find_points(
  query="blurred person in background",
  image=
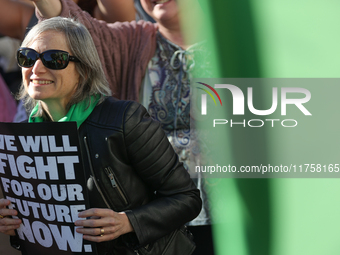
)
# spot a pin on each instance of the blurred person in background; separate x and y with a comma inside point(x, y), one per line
point(7, 103)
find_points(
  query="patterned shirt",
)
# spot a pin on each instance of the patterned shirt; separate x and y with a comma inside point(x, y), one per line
point(165, 92)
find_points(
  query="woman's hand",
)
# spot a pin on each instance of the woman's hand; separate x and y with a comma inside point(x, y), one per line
point(103, 224)
point(8, 224)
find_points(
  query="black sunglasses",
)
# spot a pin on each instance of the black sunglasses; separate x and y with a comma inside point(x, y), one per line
point(52, 59)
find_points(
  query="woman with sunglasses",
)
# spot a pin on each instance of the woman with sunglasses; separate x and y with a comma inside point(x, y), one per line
point(63, 81)
point(153, 64)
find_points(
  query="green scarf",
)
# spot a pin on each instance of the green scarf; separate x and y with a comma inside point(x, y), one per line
point(78, 112)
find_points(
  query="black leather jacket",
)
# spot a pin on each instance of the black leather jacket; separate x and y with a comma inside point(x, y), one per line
point(132, 167)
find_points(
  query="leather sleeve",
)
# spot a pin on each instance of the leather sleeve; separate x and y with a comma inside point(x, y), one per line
point(151, 155)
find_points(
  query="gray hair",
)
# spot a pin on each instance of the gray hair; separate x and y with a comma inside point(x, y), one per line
point(92, 79)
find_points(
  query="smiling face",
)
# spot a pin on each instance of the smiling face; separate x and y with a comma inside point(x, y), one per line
point(161, 10)
point(53, 87)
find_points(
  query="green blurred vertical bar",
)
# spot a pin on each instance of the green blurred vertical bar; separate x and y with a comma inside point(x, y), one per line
point(240, 207)
point(300, 39)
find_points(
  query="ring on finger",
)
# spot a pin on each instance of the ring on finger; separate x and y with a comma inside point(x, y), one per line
point(1, 217)
point(102, 232)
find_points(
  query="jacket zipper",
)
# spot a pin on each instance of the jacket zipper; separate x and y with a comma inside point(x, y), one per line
point(114, 184)
point(110, 175)
point(92, 172)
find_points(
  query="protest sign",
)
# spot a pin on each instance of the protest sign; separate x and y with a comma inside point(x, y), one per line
point(41, 174)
